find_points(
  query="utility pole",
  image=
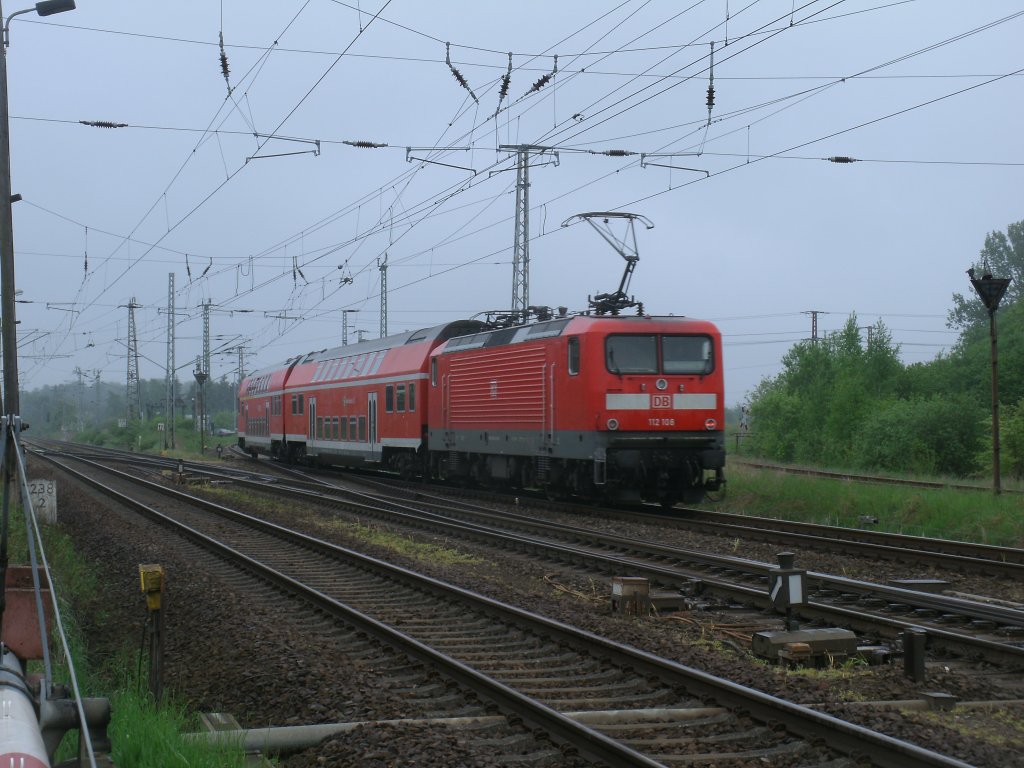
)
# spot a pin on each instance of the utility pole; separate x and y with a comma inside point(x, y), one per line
point(79, 398)
point(241, 374)
point(201, 377)
point(96, 384)
point(383, 267)
point(133, 395)
point(990, 290)
point(169, 382)
point(521, 239)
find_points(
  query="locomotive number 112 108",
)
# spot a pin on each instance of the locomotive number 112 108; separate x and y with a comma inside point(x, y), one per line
point(661, 422)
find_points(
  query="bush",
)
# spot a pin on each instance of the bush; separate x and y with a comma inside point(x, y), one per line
point(921, 435)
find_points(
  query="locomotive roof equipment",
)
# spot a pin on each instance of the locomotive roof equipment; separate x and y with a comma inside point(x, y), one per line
point(614, 303)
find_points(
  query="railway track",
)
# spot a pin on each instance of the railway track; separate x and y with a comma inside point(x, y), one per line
point(632, 708)
point(861, 478)
point(955, 626)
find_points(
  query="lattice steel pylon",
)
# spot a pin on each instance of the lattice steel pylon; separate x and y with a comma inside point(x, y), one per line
point(383, 267)
point(344, 326)
point(133, 386)
point(206, 335)
point(169, 382)
point(521, 240)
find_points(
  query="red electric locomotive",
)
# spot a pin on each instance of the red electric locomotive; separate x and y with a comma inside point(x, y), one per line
point(621, 407)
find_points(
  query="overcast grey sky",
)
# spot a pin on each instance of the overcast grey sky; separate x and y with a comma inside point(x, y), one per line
point(927, 94)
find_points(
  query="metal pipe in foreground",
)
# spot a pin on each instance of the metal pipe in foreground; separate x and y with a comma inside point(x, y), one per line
point(296, 737)
point(21, 741)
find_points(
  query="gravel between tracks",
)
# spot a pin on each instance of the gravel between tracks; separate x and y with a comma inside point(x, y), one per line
point(225, 651)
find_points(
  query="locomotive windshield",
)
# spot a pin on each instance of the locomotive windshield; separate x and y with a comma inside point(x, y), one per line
point(632, 354)
point(691, 355)
point(686, 354)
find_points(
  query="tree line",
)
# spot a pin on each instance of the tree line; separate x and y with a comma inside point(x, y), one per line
point(92, 411)
point(847, 400)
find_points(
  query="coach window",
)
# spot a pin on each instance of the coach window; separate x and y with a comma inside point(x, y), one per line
point(631, 354)
point(687, 354)
point(302, 399)
point(351, 427)
point(362, 429)
point(401, 398)
point(412, 396)
point(295, 404)
point(574, 355)
point(319, 427)
point(389, 398)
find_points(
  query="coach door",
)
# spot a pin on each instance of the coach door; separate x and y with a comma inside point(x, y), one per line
point(371, 420)
point(311, 405)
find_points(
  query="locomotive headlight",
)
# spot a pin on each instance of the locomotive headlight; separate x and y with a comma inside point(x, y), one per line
point(710, 424)
point(613, 424)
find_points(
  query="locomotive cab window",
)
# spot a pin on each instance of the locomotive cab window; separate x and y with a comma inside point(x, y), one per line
point(433, 372)
point(574, 355)
point(631, 354)
point(687, 355)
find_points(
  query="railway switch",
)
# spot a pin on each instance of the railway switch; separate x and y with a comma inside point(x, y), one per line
point(786, 587)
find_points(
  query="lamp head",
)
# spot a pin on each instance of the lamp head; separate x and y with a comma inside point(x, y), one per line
point(50, 7)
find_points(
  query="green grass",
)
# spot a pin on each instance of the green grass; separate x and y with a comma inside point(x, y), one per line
point(405, 545)
point(146, 736)
point(979, 516)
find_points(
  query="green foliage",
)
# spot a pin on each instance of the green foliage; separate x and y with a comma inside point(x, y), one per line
point(1002, 256)
point(843, 402)
point(1011, 430)
point(814, 409)
point(920, 435)
point(146, 735)
point(975, 515)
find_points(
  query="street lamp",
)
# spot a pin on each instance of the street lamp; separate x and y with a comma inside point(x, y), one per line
point(990, 290)
point(201, 377)
point(8, 334)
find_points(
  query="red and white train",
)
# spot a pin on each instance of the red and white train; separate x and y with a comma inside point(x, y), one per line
point(610, 406)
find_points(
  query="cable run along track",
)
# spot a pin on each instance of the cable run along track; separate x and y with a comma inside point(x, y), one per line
point(494, 649)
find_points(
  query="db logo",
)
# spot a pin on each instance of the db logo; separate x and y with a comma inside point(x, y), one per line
point(661, 401)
